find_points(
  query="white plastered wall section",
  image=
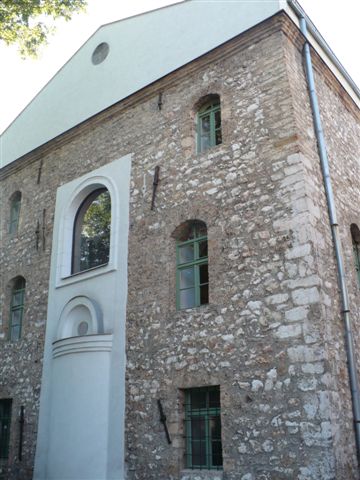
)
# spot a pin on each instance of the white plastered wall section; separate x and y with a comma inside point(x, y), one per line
point(143, 49)
point(82, 404)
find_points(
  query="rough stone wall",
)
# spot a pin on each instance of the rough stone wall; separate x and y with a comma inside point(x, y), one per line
point(341, 125)
point(21, 362)
point(262, 337)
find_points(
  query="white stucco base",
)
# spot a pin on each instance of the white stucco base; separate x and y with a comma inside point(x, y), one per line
point(79, 410)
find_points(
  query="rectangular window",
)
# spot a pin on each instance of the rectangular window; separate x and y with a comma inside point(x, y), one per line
point(17, 310)
point(209, 125)
point(5, 417)
point(14, 212)
point(203, 428)
point(192, 269)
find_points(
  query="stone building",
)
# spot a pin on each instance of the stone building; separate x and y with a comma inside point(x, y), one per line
point(170, 295)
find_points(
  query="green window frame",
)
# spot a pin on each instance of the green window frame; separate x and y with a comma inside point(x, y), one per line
point(209, 125)
point(5, 420)
point(15, 205)
point(17, 309)
point(192, 276)
point(203, 429)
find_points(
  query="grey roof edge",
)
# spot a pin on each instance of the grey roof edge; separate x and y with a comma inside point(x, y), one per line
point(299, 11)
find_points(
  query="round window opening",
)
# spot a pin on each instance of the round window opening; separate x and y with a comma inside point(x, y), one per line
point(100, 53)
point(83, 328)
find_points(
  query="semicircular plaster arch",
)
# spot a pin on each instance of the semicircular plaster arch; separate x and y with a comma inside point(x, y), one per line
point(78, 311)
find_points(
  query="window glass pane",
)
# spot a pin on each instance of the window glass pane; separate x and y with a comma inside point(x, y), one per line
point(13, 222)
point(12, 227)
point(204, 276)
point(204, 133)
point(216, 451)
point(14, 213)
point(214, 398)
point(198, 399)
point(187, 298)
point(204, 294)
point(218, 137)
point(4, 439)
point(94, 240)
point(5, 412)
point(217, 120)
point(186, 253)
point(19, 284)
point(15, 333)
point(215, 427)
point(199, 453)
point(18, 298)
point(187, 277)
point(198, 428)
point(5, 409)
point(15, 209)
point(203, 249)
point(200, 230)
point(205, 124)
point(16, 316)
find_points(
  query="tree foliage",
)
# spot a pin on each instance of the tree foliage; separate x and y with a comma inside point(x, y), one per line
point(95, 233)
point(25, 22)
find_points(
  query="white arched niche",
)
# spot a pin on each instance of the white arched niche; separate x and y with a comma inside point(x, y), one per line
point(81, 316)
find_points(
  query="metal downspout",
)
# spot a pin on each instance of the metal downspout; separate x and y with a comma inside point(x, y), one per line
point(354, 386)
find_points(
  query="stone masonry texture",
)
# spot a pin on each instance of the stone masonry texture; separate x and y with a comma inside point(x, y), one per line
point(272, 334)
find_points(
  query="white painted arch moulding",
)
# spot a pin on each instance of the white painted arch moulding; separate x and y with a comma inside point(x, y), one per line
point(80, 309)
point(85, 344)
point(70, 209)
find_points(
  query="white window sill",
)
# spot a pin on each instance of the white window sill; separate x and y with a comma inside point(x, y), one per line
point(85, 274)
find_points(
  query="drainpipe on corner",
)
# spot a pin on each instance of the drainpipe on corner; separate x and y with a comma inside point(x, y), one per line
point(354, 384)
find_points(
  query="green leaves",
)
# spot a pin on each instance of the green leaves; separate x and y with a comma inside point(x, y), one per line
point(25, 22)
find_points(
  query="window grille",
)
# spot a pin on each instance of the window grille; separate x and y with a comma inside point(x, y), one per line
point(203, 429)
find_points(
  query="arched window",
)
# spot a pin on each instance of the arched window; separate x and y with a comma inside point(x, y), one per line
point(209, 124)
point(192, 277)
point(355, 235)
point(91, 234)
point(17, 308)
point(15, 204)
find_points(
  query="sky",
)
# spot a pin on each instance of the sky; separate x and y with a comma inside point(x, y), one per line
point(336, 20)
